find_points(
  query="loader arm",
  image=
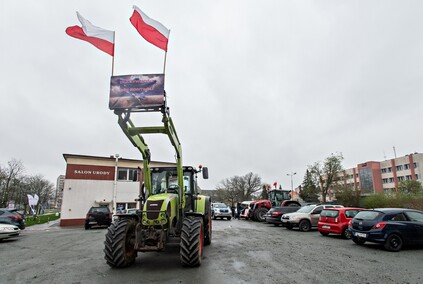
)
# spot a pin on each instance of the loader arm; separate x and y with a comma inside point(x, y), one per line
point(134, 134)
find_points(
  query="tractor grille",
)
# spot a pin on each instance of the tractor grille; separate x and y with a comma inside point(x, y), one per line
point(153, 208)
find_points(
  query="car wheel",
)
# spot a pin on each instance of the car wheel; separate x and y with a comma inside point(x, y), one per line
point(358, 241)
point(324, 233)
point(393, 243)
point(304, 226)
point(289, 226)
point(229, 218)
point(87, 227)
point(346, 233)
point(276, 225)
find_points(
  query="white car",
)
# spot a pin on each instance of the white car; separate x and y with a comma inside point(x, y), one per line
point(8, 231)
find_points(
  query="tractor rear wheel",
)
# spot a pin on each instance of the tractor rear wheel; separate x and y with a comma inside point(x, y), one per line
point(191, 241)
point(119, 246)
point(259, 214)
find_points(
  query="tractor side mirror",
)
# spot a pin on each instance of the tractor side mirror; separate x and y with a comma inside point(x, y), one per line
point(205, 171)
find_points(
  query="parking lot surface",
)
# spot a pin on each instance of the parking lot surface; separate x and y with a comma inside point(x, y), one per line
point(241, 252)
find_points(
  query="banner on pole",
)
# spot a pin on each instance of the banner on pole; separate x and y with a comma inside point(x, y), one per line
point(137, 91)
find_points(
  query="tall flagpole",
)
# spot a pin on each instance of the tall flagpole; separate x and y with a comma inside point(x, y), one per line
point(113, 57)
point(164, 66)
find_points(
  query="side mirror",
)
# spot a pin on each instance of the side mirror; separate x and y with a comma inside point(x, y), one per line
point(205, 171)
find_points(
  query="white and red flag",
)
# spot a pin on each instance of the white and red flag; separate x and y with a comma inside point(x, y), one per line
point(151, 30)
point(100, 38)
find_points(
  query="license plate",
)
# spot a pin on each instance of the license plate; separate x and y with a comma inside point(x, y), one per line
point(361, 235)
point(326, 227)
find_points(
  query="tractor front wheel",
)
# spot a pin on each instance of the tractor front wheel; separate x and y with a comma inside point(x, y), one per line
point(191, 241)
point(208, 230)
point(119, 246)
point(260, 214)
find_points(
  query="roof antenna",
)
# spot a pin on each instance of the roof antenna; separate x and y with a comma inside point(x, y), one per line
point(395, 153)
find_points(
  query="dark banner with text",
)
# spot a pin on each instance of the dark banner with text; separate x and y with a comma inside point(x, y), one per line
point(137, 91)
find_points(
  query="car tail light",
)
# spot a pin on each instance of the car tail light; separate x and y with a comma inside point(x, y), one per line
point(276, 214)
point(336, 220)
point(379, 225)
point(350, 223)
point(16, 218)
point(320, 218)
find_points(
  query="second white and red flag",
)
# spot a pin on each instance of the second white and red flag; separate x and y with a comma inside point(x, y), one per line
point(151, 30)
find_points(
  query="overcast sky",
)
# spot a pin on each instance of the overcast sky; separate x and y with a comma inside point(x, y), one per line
point(267, 87)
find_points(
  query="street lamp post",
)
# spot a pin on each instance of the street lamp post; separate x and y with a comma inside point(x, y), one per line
point(292, 182)
point(115, 183)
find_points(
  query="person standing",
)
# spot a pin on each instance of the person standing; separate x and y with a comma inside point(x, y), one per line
point(238, 210)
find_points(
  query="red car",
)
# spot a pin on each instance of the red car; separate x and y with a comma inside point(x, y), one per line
point(335, 221)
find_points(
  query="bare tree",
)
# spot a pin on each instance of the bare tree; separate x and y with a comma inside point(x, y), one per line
point(10, 181)
point(238, 188)
point(327, 173)
point(43, 188)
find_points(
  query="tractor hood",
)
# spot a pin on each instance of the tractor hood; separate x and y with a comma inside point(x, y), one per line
point(159, 208)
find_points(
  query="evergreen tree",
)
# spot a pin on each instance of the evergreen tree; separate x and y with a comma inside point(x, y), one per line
point(309, 191)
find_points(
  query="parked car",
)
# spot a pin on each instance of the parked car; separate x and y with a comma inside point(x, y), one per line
point(8, 231)
point(98, 216)
point(336, 220)
point(306, 217)
point(221, 210)
point(245, 208)
point(392, 227)
point(273, 216)
point(12, 217)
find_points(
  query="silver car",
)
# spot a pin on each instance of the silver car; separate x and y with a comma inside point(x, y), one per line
point(221, 210)
point(306, 217)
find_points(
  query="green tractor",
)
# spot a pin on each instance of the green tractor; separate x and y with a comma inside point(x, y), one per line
point(171, 210)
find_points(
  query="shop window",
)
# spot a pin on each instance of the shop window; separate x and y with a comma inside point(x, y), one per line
point(127, 174)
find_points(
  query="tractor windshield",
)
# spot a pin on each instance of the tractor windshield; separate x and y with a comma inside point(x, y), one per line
point(277, 196)
point(165, 180)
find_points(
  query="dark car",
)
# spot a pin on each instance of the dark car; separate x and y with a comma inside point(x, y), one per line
point(273, 216)
point(336, 220)
point(98, 216)
point(12, 217)
point(392, 227)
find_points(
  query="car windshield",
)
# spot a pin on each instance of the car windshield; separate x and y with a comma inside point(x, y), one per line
point(306, 209)
point(219, 205)
point(100, 209)
point(330, 213)
point(367, 215)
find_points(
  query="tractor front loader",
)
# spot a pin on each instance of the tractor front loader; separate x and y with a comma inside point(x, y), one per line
point(171, 210)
